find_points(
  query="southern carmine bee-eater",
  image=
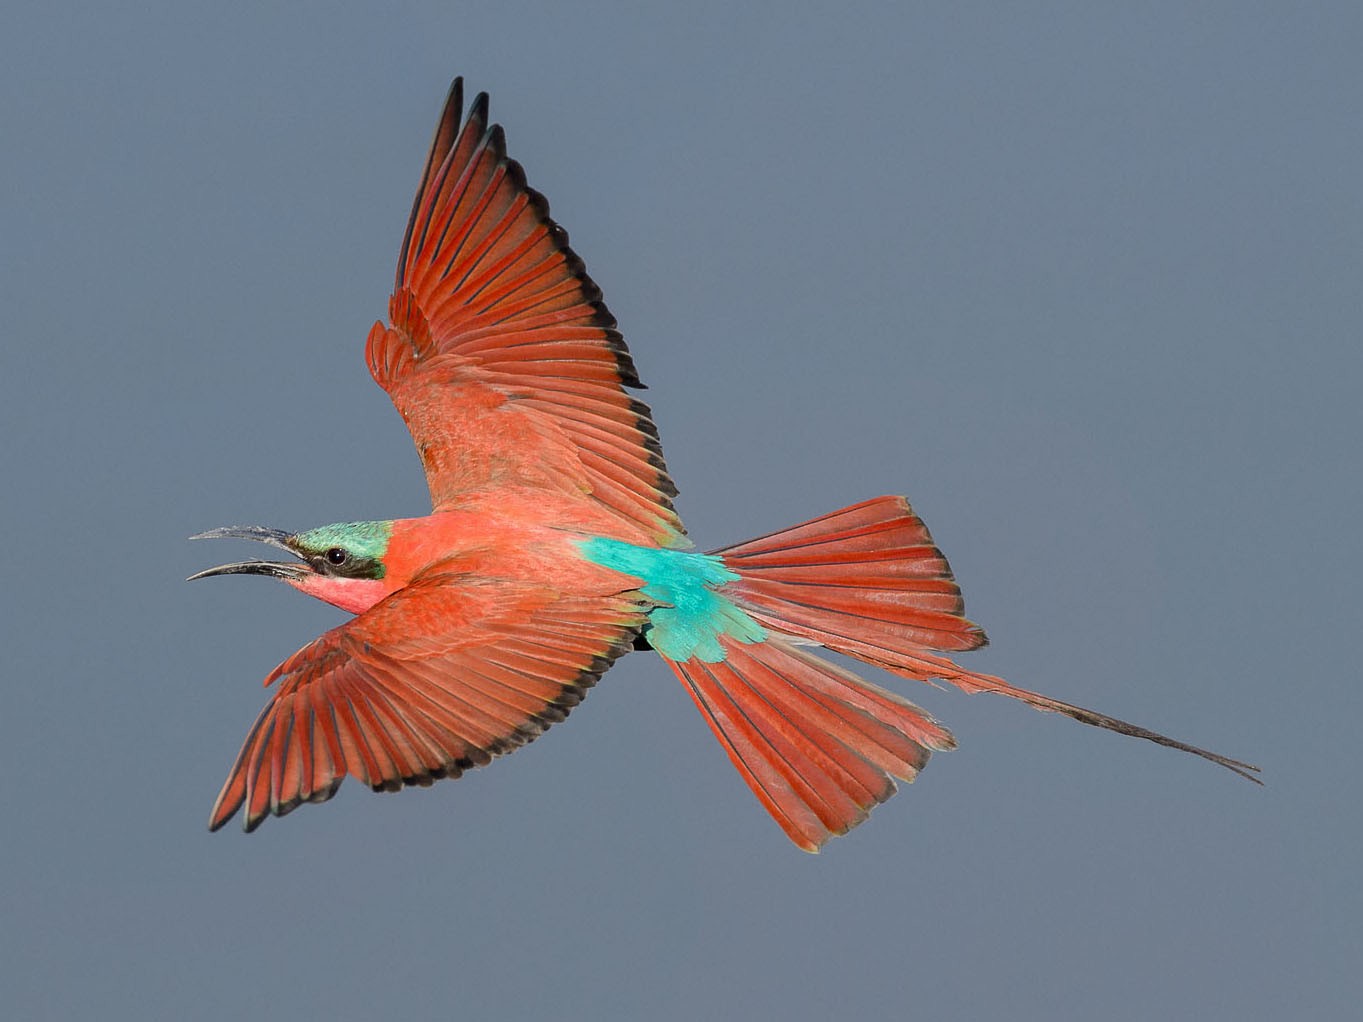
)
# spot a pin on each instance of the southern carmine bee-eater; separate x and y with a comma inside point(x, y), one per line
point(553, 548)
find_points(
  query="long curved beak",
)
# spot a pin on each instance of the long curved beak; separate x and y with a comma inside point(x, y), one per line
point(275, 569)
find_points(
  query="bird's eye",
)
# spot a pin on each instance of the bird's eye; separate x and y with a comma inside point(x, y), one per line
point(336, 555)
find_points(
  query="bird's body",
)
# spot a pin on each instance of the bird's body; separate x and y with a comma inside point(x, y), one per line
point(509, 544)
point(553, 548)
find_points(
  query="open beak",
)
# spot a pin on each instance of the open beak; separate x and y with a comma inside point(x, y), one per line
point(275, 569)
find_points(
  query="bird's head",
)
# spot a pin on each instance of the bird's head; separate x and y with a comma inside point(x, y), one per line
point(342, 564)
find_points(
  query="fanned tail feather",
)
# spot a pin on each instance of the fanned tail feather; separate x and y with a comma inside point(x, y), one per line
point(869, 582)
point(818, 746)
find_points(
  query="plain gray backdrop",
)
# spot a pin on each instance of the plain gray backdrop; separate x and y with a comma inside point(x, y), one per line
point(1082, 280)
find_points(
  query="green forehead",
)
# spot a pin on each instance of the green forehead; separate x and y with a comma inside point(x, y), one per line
point(360, 539)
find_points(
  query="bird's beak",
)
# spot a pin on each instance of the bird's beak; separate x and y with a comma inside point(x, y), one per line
point(276, 569)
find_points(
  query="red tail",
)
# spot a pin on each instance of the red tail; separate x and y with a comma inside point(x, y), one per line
point(867, 581)
point(819, 746)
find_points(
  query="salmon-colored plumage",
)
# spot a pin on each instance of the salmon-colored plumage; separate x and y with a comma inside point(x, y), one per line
point(472, 657)
point(554, 547)
point(501, 356)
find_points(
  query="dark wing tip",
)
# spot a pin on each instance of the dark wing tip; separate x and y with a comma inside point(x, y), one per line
point(454, 102)
point(478, 108)
point(495, 140)
point(446, 132)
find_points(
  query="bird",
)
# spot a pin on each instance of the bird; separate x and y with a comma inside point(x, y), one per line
point(553, 548)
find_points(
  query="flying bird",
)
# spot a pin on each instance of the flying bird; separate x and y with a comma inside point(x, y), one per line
point(553, 548)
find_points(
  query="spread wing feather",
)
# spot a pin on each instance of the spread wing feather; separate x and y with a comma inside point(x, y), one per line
point(426, 684)
point(501, 357)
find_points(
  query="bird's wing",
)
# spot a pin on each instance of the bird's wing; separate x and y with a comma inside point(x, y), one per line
point(426, 684)
point(501, 356)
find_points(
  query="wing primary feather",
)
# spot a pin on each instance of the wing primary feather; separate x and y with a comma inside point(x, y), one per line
point(359, 761)
point(385, 768)
point(487, 161)
point(335, 766)
point(457, 159)
point(257, 794)
point(442, 205)
point(446, 131)
point(279, 745)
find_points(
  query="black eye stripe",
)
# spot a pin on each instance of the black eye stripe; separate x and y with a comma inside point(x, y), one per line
point(343, 562)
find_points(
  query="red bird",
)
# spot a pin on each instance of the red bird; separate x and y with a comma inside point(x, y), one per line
point(553, 548)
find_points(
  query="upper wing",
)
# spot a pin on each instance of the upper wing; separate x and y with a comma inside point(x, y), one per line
point(429, 682)
point(501, 356)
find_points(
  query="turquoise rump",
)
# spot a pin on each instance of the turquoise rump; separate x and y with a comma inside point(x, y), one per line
point(693, 614)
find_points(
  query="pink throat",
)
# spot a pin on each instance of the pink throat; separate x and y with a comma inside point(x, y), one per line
point(353, 595)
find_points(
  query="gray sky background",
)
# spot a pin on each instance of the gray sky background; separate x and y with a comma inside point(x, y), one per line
point(1083, 284)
